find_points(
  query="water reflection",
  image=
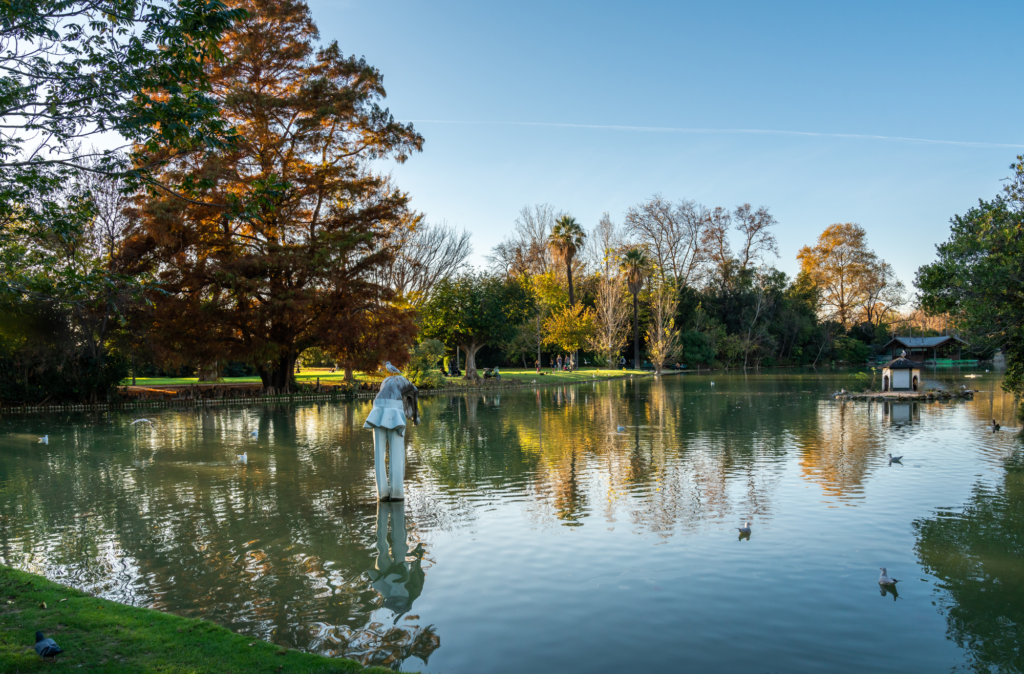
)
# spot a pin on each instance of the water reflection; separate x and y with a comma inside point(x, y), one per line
point(977, 554)
point(902, 414)
point(397, 576)
point(293, 547)
point(398, 579)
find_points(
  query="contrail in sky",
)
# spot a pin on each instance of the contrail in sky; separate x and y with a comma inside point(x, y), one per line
point(763, 132)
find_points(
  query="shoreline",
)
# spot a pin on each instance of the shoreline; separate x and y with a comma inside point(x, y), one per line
point(102, 635)
point(359, 394)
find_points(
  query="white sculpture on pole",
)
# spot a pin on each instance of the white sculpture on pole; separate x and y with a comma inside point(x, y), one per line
point(397, 401)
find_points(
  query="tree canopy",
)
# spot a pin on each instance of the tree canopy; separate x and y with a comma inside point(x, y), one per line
point(474, 310)
point(566, 240)
point(277, 246)
point(978, 278)
point(853, 282)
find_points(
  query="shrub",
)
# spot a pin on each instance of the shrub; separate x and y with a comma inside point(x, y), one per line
point(422, 368)
point(851, 350)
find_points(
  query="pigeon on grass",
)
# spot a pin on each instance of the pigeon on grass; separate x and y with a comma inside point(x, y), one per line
point(46, 647)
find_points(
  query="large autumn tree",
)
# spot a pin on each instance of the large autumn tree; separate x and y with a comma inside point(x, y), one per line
point(840, 264)
point(276, 246)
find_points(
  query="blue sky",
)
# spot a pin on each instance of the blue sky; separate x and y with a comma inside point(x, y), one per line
point(595, 106)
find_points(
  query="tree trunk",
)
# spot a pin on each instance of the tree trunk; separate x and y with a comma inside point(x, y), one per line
point(636, 335)
point(349, 377)
point(210, 371)
point(282, 377)
point(540, 340)
point(471, 350)
point(568, 274)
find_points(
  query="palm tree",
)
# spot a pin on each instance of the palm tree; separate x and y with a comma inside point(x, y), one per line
point(565, 241)
point(636, 267)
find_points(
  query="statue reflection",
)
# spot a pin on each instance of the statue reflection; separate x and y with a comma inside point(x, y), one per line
point(398, 581)
point(398, 578)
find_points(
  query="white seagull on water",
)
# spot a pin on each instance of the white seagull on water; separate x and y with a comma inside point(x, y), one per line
point(895, 458)
point(884, 579)
point(45, 439)
point(745, 529)
point(255, 434)
point(620, 429)
point(243, 457)
point(391, 368)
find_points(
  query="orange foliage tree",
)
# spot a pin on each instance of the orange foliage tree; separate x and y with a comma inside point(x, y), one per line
point(276, 242)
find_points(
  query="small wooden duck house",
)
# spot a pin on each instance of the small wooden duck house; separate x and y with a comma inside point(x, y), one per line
point(901, 374)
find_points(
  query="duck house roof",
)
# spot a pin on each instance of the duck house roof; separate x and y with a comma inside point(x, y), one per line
point(922, 342)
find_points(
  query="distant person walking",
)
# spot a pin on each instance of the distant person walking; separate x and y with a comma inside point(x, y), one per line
point(622, 363)
point(559, 362)
point(538, 365)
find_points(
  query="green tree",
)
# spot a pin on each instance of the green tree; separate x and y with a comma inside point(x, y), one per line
point(72, 69)
point(566, 239)
point(135, 72)
point(474, 310)
point(636, 268)
point(979, 276)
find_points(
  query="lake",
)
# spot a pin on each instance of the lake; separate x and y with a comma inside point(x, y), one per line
point(537, 537)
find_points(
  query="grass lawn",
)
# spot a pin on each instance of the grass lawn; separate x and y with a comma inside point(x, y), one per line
point(307, 375)
point(327, 377)
point(104, 636)
point(584, 374)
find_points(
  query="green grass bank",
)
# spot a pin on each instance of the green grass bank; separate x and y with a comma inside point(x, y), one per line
point(103, 636)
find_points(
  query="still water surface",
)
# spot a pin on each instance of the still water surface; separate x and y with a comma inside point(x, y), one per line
point(536, 537)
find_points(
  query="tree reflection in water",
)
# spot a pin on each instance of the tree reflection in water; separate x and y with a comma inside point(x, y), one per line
point(292, 547)
point(978, 555)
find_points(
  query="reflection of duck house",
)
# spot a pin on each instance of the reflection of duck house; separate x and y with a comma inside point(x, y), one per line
point(902, 413)
point(901, 374)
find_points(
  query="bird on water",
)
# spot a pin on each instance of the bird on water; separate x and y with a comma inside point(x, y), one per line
point(620, 429)
point(995, 426)
point(45, 439)
point(391, 368)
point(884, 579)
point(745, 529)
point(243, 457)
point(895, 458)
point(46, 647)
